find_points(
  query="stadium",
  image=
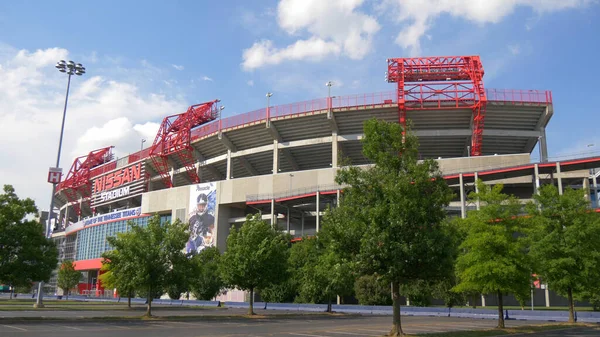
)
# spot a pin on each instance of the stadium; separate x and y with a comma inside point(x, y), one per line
point(281, 161)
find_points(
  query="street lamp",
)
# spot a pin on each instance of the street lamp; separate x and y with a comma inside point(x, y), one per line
point(70, 68)
point(269, 94)
point(329, 84)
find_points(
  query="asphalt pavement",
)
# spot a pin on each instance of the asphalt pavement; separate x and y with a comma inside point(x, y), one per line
point(317, 326)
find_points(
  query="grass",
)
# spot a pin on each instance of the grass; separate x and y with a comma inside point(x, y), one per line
point(49, 305)
point(509, 331)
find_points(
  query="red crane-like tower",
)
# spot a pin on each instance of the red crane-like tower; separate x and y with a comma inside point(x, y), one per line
point(77, 181)
point(448, 82)
point(174, 138)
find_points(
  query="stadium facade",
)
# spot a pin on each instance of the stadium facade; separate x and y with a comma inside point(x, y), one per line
point(281, 161)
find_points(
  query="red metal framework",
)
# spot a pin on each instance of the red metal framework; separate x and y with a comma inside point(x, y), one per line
point(174, 138)
point(77, 182)
point(453, 82)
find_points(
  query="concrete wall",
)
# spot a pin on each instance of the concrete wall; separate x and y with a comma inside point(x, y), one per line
point(236, 190)
point(167, 200)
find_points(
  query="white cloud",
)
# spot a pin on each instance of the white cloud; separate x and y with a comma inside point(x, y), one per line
point(514, 49)
point(334, 27)
point(250, 83)
point(206, 78)
point(101, 112)
point(418, 16)
point(178, 67)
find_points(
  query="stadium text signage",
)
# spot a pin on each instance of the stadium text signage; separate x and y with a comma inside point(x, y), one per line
point(119, 184)
point(115, 179)
point(99, 219)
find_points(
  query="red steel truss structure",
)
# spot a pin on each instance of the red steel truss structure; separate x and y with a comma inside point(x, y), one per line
point(174, 138)
point(77, 182)
point(445, 82)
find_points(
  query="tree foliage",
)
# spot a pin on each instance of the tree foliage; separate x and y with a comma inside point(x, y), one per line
point(566, 246)
point(68, 277)
point(372, 290)
point(392, 213)
point(256, 257)
point(26, 255)
point(147, 254)
point(494, 257)
point(205, 280)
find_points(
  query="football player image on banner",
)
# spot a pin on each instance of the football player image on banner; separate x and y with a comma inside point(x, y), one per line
point(202, 217)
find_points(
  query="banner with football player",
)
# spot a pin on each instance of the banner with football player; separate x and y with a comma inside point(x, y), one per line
point(201, 217)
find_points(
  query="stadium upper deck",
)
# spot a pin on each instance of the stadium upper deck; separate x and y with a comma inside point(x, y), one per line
point(307, 134)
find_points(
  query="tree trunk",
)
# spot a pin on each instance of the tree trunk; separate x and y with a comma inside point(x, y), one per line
point(329, 305)
point(149, 306)
point(571, 306)
point(251, 307)
point(397, 327)
point(500, 311)
point(12, 291)
point(129, 299)
point(67, 295)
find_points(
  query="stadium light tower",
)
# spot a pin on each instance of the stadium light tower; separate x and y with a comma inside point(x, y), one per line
point(329, 84)
point(70, 68)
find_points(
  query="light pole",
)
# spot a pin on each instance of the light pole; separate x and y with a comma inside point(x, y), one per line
point(269, 94)
point(142, 146)
point(70, 68)
point(329, 84)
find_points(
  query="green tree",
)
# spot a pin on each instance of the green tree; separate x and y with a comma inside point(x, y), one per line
point(256, 257)
point(179, 276)
point(205, 280)
point(393, 213)
point(148, 254)
point(68, 277)
point(118, 273)
point(372, 290)
point(493, 257)
point(26, 255)
point(566, 246)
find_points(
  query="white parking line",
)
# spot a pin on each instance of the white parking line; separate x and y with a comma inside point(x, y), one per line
point(346, 333)
point(70, 327)
point(303, 334)
point(14, 327)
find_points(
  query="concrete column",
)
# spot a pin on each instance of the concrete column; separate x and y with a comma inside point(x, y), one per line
point(272, 212)
point(317, 211)
point(595, 184)
point(67, 212)
point(288, 220)
point(547, 295)
point(302, 224)
point(463, 213)
point(543, 145)
point(198, 170)
point(228, 164)
point(559, 178)
point(477, 203)
point(275, 156)
point(586, 188)
point(482, 300)
point(80, 207)
point(338, 198)
point(536, 177)
point(334, 149)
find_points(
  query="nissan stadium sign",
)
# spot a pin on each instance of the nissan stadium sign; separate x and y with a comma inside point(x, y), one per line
point(119, 184)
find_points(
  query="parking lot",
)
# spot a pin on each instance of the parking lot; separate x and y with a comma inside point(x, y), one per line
point(289, 327)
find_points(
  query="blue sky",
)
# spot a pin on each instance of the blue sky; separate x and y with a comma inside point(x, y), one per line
point(147, 61)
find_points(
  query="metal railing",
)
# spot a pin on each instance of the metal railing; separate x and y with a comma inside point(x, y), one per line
point(294, 192)
point(320, 104)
